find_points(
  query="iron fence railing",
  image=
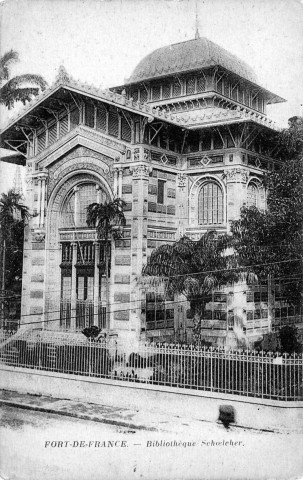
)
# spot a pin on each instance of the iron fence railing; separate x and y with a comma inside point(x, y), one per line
point(247, 373)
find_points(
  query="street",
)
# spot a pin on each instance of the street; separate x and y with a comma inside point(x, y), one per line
point(37, 445)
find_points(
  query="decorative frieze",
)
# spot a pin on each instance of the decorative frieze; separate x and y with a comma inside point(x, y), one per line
point(141, 171)
point(38, 236)
point(237, 175)
point(181, 182)
point(161, 235)
point(81, 159)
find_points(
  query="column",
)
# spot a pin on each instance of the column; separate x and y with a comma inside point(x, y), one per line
point(115, 182)
point(74, 293)
point(98, 193)
point(236, 179)
point(140, 173)
point(96, 282)
point(39, 202)
point(120, 183)
point(43, 182)
point(76, 206)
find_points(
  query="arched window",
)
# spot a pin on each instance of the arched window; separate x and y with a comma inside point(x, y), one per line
point(210, 204)
point(252, 195)
point(75, 206)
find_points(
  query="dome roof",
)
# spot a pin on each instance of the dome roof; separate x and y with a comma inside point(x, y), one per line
point(190, 55)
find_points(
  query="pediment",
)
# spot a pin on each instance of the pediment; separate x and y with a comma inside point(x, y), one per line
point(84, 137)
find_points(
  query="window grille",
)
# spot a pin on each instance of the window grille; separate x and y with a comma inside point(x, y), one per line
point(66, 287)
point(190, 86)
point(247, 97)
point(125, 130)
point(176, 89)
point(160, 193)
point(74, 118)
point(89, 115)
point(135, 95)
point(255, 103)
point(166, 90)
point(52, 134)
point(156, 93)
point(113, 123)
point(159, 313)
point(226, 88)
point(64, 126)
point(240, 94)
point(86, 194)
point(101, 119)
point(41, 142)
point(252, 195)
point(210, 204)
point(143, 95)
point(201, 84)
point(234, 92)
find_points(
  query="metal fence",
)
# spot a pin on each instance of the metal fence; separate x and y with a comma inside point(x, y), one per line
point(247, 373)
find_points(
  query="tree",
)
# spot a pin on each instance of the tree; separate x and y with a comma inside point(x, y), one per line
point(13, 215)
point(271, 242)
point(108, 219)
point(19, 88)
point(193, 269)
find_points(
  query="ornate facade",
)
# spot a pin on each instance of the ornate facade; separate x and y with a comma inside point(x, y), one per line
point(185, 142)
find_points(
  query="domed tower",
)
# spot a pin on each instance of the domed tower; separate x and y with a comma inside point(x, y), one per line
point(209, 110)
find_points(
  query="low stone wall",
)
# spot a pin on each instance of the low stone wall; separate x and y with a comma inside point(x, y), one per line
point(249, 412)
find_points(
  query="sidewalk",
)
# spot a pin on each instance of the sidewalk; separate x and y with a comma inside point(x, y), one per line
point(120, 416)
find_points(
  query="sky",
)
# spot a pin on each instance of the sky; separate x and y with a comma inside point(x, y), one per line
point(101, 41)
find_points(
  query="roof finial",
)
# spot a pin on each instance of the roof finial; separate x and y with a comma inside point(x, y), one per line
point(197, 35)
point(62, 76)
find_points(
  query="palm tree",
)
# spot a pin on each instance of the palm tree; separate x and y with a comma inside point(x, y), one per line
point(108, 219)
point(194, 269)
point(20, 88)
point(13, 215)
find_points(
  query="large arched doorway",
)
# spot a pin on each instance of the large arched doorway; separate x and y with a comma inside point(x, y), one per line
point(83, 289)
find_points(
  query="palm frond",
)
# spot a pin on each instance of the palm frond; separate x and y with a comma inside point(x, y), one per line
point(28, 79)
point(6, 61)
point(9, 96)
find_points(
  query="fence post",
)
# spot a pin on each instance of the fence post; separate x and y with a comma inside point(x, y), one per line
point(89, 357)
point(211, 369)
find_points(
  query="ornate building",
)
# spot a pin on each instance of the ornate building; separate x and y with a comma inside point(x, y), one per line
point(185, 142)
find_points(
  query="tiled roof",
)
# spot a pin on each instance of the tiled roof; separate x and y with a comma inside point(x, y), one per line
point(190, 55)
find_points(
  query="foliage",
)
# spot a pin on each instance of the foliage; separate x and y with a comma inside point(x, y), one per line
point(108, 219)
point(194, 269)
point(19, 88)
point(284, 341)
point(13, 216)
point(91, 332)
point(289, 341)
point(271, 241)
